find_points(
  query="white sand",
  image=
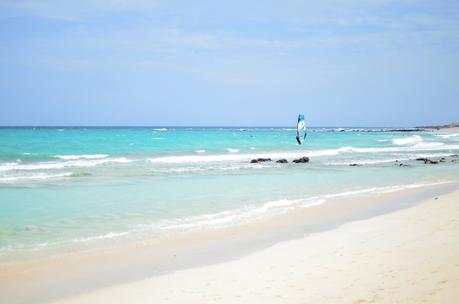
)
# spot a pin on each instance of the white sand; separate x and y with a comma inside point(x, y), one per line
point(409, 256)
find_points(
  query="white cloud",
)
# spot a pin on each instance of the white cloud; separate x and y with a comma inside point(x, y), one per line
point(256, 38)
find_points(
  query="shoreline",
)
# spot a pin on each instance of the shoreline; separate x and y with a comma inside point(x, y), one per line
point(221, 220)
point(407, 256)
point(92, 270)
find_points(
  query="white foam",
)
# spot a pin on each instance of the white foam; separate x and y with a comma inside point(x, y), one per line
point(386, 160)
point(253, 213)
point(180, 159)
point(446, 136)
point(160, 129)
point(431, 155)
point(109, 235)
point(365, 162)
point(200, 151)
point(37, 176)
point(83, 156)
point(232, 150)
point(232, 157)
point(246, 214)
point(158, 138)
point(193, 169)
point(430, 144)
point(425, 146)
point(59, 165)
point(407, 140)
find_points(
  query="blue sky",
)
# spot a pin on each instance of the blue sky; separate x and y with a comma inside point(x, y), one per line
point(341, 63)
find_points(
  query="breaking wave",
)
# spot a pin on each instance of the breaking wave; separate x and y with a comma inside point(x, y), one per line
point(182, 159)
point(84, 156)
point(386, 160)
point(37, 176)
point(78, 163)
point(195, 169)
point(407, 140)
point(232, 150)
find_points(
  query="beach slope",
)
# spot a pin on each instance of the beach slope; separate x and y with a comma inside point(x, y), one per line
point(408, 256)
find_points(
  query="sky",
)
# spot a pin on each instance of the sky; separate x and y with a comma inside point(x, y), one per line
point(229, 63)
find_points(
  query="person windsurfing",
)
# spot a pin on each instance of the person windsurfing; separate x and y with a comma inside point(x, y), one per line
point(300, 127)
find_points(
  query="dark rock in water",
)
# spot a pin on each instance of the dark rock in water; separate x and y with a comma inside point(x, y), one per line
point(427, 161)
point(454, 155)
point(282, 161)
point(432, 162)
point(354, 165)
point(260, 160)
point(301, 160)
point(453, 160)
point(403, 165)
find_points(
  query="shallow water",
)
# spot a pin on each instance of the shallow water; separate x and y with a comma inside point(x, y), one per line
point(76, 185)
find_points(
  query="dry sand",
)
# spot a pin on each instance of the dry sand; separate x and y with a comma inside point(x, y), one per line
point(408, 256)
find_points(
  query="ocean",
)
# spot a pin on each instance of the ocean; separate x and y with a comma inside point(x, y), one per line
point(68, 186)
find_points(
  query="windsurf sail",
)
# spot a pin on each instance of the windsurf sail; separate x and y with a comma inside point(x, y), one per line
point(300, 129)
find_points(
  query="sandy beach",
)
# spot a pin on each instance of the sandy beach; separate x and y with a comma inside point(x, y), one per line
point(402, 247)
point(409, 256)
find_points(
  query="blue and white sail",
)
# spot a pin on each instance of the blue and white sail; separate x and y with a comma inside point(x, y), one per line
point(300, 129)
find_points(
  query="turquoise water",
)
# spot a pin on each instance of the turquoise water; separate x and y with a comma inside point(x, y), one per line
point(63, 186)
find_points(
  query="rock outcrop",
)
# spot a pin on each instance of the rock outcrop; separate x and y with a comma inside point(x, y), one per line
point(260, 160)
point(427, 161)
point(303, 159)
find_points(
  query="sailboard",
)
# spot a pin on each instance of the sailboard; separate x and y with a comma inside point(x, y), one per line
point(300, 129)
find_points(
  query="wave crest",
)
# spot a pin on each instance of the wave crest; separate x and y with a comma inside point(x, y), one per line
point(182, 159)
point(407, 140)
point(83, 156)
point(37, 176)
point(79, 163)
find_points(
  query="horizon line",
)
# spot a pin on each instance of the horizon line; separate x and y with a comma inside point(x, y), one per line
point(206, 126)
